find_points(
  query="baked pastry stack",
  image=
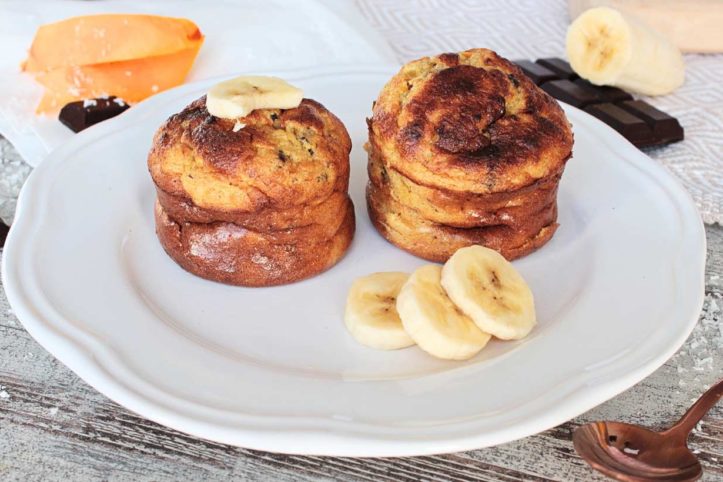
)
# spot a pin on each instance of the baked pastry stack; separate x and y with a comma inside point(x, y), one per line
point(256, 201)
point(464, 149)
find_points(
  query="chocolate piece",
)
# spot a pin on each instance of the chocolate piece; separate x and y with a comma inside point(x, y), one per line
point(559, 67)
point(665, 127)
point(536, 72)
point(641, 123)
point(605, 93)
point(570, 93)
point(85, 113)
point(4, 229)
point(632, 128)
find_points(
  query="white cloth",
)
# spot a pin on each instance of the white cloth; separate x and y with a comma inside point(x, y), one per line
point(535, 29)
point(241, 36)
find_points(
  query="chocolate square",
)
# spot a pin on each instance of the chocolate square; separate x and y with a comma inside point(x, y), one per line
point(85, 113)
point(559, 67)
point(605, 93)
point(665, 127)
point(536, 72)
point(570, 93)
point(631, 127)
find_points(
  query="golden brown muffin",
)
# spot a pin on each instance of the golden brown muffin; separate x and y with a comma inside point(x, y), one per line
point(229, 253)
point(455, 209)
point(470, 122)
point(319, 214)
point(406, 229)
point(464, 149)
point(256, 202)
point(278, 160)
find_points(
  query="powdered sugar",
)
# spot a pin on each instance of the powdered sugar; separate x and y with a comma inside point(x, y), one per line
point(208, 246)
point(275, 268)
point(259, 259)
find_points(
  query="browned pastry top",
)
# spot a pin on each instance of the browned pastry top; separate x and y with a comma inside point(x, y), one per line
point(469, 122)
point(276, 160)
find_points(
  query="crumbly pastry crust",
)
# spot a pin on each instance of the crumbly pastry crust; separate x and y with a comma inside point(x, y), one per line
point(407, 229)
point(320, 215)
point(231, 254)
point(470, 122)
point(465, 210)
point(464, 149)
point(259, 204)
point(278, 160)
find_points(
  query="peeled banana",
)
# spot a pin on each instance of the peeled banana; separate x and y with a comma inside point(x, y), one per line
point(238, 97)
point(608, 47)
point(371, 314)
point(433, 321)
point(488, 289)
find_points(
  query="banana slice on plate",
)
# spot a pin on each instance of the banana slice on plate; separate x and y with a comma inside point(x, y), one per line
point(608, 47)
point(371, 314)
point(488, 289)
point(239, 96)
point(432, 320)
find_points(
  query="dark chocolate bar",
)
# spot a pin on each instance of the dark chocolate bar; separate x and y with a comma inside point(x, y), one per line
point(604, 92)
point(632, 128)
point(571, 93)
point(4, 229)
point(665, 127)
point(85, 113)
point(639, 122)
point(561, 68)
point(536, 72)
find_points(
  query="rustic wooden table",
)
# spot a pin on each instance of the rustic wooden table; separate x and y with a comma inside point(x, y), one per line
point(53, 426)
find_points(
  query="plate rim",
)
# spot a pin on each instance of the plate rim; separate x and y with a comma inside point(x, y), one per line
point(321, 439)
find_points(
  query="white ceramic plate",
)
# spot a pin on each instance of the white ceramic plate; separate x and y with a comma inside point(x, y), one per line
point(618, 290)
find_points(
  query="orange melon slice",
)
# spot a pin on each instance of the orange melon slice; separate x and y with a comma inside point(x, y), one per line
point(97, 39)
point(131, 80)
point(129, 56)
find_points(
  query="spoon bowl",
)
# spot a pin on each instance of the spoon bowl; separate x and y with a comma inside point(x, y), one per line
point(629, 452)
point(632, 453)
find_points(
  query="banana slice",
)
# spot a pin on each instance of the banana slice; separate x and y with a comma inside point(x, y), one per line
point(371, 314)
point(432, 320)
point(488, 289)
point(237, 97)
point(608, 47)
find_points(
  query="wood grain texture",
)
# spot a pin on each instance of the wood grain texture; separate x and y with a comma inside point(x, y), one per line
point(53, 426)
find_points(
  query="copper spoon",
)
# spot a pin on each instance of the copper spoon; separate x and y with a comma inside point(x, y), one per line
point(632, 453)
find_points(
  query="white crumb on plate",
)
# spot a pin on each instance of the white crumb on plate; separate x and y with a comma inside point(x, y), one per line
point(4, 394)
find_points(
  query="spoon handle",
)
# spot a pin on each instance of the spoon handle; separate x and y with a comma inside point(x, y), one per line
point(688, 421)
